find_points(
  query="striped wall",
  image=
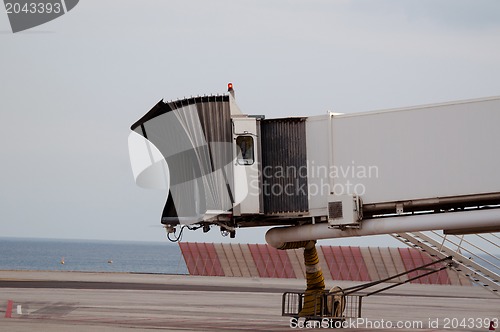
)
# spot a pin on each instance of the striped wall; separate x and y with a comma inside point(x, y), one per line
point(338, 262)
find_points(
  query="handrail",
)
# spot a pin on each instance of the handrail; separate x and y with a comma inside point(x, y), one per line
point(357, 288)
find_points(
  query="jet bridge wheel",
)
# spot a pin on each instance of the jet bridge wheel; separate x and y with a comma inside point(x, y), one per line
point(336, 302)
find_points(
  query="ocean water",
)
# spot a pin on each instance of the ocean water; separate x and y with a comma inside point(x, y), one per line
point(90, 256)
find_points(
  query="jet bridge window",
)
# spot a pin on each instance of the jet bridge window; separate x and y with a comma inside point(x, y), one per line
point(244, 146)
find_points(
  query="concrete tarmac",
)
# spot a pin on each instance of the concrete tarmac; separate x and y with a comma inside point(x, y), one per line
point(79, 301)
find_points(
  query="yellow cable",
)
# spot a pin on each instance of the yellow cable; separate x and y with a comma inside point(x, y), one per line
point(315, 280)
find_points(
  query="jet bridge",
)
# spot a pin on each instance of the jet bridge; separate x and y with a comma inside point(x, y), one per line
point(233, 170)
point(408, 170)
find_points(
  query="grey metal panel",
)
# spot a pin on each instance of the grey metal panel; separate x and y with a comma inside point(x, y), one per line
point(284, 165)
point(215, 120)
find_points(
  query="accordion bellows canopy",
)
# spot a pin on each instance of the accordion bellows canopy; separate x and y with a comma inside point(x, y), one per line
point(194, 137)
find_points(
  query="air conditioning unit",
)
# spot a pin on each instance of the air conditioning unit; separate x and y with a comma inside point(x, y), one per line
point(345, 211)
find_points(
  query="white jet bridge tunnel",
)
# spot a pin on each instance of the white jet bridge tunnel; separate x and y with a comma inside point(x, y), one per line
point(404, 172)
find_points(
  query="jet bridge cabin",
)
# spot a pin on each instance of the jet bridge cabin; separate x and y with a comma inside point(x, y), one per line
point(223, 166)
point(227, 168)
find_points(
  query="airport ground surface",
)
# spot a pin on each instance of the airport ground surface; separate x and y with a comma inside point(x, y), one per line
point(77, 301)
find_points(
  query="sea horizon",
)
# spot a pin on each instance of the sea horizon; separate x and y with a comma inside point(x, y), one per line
point(85, 240)
point(43, 254)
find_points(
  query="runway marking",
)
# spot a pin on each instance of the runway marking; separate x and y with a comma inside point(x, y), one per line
point(8, 311)
point(57, 309)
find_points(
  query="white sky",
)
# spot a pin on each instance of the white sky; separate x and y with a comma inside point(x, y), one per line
point(71, 88)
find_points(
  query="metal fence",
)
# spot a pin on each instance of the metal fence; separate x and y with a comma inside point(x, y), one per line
point(332, 305)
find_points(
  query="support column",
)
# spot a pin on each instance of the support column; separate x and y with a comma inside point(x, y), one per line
point(315, 280)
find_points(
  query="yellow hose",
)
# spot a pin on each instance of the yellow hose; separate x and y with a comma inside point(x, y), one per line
point(294, 245)
point(314, 278)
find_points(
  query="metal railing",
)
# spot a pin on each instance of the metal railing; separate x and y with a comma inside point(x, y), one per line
point(341, 304)
point(332, 305)
point(472, 254)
